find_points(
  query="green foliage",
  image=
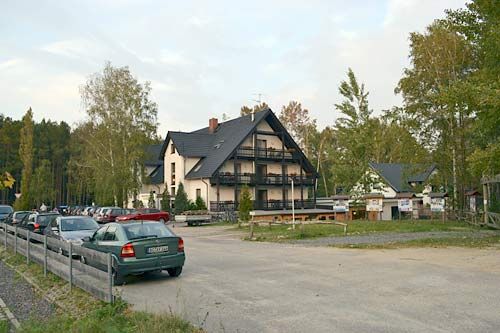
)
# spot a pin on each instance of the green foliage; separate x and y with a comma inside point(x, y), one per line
point(151, 200)
point(245, 110)
point(245, 205)
point(121, 121)
point(42, 189)
point(299, 124)
point(26, 155)
point(200, 204)
point(165, 201)
point(181, 202)
point(110, 318)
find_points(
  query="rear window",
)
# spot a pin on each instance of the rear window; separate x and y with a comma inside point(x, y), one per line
point(44, 220)
point(145, 230)
point(20, 215)
point(116, 212)
point(6, 210)
point(78, 224)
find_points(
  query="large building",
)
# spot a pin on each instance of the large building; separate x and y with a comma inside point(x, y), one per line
point(215, 162)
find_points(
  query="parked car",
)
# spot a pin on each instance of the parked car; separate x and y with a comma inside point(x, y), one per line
point(37, 222)
point(5, 210)
point(18, 216)
point(100, 215)
point(111, 214)
point(138, 247)
point(150, 214)
point(71, 229)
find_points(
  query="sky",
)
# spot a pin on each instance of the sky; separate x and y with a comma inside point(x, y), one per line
point(207, 58)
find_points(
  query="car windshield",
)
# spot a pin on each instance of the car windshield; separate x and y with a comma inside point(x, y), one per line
point(21, 215)
point(78, 224)
point(44, 220)
point(146, 230)
point(6, 210)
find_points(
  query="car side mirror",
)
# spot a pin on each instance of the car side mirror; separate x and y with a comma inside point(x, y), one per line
point(86, 239)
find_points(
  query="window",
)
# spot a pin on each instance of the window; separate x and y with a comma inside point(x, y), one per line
point(198, 192)
point(99, 234)
point(172, 191)
point(110, 234)
point(172, 148)
point(172, 173)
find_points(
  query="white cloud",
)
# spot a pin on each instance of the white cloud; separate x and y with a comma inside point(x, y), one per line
point(10, 63)
point(197, 21)
point(75, 48)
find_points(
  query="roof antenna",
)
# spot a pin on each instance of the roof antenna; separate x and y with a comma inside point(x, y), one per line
point(258, 101)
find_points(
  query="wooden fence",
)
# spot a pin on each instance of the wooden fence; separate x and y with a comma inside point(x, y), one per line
point(46, 252)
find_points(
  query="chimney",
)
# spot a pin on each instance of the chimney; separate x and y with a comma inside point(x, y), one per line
point(212, 125)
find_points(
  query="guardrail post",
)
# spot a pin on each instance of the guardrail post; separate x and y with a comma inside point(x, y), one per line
point(28, 247)
point(15, 239)
point(45, 255)
point(70, 258)
point(110, 277)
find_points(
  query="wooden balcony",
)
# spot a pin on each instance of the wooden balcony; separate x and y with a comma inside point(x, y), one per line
point(270, 154)
point(251, 179)
point(263, 205)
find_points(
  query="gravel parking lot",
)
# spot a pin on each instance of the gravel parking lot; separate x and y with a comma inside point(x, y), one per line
point(229, 285)
point(20, 297)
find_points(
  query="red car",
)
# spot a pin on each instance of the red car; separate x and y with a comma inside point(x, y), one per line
point(110, 214)
point(150, 214)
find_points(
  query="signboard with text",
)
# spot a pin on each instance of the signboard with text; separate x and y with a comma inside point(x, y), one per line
point(374, 205)
point(437, 204)
point(405, 205)
point(341, 205)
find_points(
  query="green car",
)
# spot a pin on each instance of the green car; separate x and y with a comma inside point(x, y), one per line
point(137, 247)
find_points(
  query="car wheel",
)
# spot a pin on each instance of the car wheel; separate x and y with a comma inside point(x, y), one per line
point(174, 272)
point(162, 221)
point(118, 279)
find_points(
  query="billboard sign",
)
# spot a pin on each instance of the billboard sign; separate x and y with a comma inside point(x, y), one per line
point(437, 204)
point(341, 205)
point(405, 205)
point(374, 205)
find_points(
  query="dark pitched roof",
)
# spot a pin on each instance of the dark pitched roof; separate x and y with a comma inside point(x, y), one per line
point(157, 175)
point(152, 155)
point(215, 148)
point(400, 175)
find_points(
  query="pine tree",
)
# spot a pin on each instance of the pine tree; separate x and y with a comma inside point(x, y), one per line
point(165, 201)
point(200, 204)
point(245, 205)
point(151, 200)
point(181, 202)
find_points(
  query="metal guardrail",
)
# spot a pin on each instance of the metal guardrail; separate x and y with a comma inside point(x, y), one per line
point(40, 249)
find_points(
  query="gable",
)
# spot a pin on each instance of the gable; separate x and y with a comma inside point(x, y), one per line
point(399, 176)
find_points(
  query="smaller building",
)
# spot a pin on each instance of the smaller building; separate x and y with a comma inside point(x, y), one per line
point(397, 190)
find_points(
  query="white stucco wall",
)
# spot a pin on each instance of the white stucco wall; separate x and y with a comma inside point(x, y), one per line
point(179, 167)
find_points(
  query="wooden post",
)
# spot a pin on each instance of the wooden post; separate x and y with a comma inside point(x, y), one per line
point(28, 247)
point(70, 263)
point(5, 229)
point(110, 277)
point(485, 202)
point(15, 239)
point(45, 255)
point(251, 229)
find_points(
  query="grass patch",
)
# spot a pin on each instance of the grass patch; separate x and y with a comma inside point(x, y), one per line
point(466, 241)
point(4, 326)
point(284, 233)
point(111, 318)
point(80, 312)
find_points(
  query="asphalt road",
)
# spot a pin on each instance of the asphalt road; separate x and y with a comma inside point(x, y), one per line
point(229, 285)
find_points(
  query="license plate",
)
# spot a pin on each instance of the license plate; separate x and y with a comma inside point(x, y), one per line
point(157, 249)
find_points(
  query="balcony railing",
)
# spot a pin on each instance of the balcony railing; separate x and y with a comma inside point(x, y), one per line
point(264, 153)
point(262, 205)
point(252, 179)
